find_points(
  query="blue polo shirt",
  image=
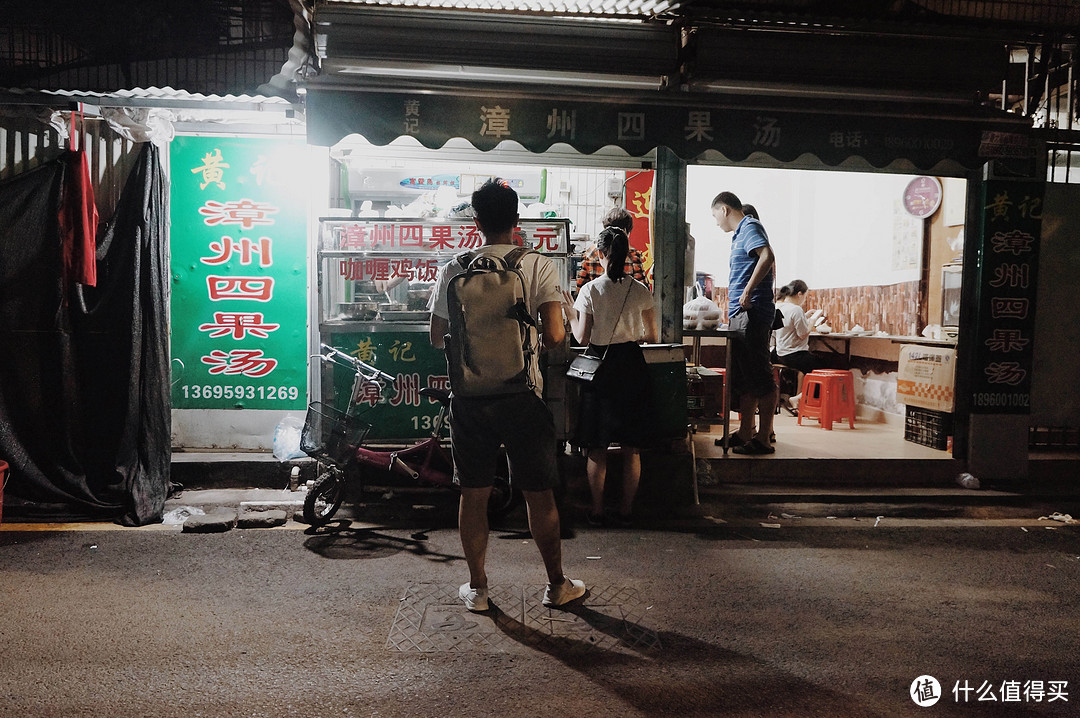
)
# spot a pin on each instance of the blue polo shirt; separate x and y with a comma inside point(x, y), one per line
point(749, 235)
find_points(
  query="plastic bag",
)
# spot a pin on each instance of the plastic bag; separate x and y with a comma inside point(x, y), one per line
point(701, 313)
point(287, 438)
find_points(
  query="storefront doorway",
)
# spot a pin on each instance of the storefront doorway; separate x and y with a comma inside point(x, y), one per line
point(379, 190)
point(877, 251)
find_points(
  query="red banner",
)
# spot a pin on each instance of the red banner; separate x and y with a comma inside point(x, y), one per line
point(638, 200)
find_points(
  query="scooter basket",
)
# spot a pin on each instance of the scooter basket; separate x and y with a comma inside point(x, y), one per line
point(331, 435)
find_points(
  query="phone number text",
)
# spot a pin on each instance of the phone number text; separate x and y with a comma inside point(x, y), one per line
point(1003, 399)
point(219, 391)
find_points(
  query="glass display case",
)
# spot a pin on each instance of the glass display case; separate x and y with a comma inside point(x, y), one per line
point(375, 280)
point(951, 279)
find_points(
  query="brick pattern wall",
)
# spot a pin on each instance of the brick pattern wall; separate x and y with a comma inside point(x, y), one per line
point(893, 309)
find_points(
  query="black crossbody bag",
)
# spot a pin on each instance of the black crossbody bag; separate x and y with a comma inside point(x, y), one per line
point(585, 366)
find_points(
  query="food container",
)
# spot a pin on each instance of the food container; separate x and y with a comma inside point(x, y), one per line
point(366, 286)
point(405, 315)
point(359, 311)
point(418, 297)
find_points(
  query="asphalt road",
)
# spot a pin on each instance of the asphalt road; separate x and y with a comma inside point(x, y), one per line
point(730, 621)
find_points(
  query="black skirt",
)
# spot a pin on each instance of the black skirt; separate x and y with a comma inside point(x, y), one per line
point(616, 407)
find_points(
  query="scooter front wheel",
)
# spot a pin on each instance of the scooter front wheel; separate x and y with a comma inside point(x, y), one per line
point(504, 498)
point(324, 497)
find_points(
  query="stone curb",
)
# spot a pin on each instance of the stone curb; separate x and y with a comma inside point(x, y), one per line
point(214, 521)
point(261, 519)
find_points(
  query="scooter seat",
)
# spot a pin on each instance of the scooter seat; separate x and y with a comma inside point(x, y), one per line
point(437, 394)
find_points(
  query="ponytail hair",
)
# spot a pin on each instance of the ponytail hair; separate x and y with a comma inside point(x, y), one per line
point(795, 286)
point(614, 244)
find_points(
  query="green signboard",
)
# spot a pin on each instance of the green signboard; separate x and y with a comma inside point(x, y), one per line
point(399, 411)
point(687, 124)
point(239, 268)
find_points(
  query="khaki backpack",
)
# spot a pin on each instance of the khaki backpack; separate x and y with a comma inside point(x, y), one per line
point(489, 349)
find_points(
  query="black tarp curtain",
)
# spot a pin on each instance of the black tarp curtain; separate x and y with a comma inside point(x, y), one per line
point(84, 371)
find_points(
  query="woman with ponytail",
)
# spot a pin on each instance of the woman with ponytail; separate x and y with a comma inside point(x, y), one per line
point(793, 338)
point(613, 314)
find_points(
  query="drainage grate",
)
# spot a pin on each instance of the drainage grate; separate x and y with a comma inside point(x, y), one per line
point(432, 619)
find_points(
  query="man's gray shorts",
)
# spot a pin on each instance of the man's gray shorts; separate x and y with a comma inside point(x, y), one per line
point(751, 363)
point(521, 422)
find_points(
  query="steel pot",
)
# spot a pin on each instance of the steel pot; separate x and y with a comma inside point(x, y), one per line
point(418, 298)
point(359, 311)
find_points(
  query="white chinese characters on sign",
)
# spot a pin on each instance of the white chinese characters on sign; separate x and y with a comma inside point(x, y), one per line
point(631, 126)
point(699, 126)
point(412, 117)
point(766, 132)
point(495, 121)
point(1011, 691)
point(563, 124)
point(850, 139)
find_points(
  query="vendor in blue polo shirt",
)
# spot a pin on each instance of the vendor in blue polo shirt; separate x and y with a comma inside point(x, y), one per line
point(751, 311)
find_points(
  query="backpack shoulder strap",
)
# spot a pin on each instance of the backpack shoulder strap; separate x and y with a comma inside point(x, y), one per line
point(465, 259)
point(514, 256)
point(513, 263)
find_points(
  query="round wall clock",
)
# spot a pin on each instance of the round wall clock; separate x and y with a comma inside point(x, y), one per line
point(922, 196)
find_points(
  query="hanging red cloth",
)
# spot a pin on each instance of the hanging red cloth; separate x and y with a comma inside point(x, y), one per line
point(78, 219)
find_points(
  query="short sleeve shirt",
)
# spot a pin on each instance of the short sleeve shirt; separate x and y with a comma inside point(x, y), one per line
point(794, 336)
point(749, 236)
point(541, 286)
point(603, 298)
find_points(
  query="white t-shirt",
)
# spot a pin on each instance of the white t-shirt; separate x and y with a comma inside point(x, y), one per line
point(794, 336)
point(602, 298)
point(541, 286)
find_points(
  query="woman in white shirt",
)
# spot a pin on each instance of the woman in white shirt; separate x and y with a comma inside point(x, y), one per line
point(793, 339)
point(613, 314)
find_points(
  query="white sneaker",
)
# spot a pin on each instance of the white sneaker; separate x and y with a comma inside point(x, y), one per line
point(565, 592)
point(475, 599)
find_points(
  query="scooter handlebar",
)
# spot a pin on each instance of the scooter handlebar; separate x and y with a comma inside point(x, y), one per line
point(330, 353)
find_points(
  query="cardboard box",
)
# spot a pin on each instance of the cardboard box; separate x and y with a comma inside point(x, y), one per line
point(926, 376)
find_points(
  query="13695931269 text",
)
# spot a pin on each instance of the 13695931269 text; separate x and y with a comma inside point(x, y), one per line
point(226, 391)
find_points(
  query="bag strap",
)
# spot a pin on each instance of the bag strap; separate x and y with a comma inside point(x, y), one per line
point(465, 259)
point(629, 288)
point(512, 260)
point(514, 256)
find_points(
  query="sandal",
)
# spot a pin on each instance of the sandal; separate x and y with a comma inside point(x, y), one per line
point(753, 448)
point(733, 441)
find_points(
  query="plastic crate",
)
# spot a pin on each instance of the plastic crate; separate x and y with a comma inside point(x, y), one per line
point(331, 435)
point(704, 393)
point(928, 427)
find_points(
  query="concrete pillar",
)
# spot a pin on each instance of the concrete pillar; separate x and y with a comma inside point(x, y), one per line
point(669, 242)
point(999, 327)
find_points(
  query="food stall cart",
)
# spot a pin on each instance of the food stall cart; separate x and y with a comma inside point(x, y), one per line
point(375, 277)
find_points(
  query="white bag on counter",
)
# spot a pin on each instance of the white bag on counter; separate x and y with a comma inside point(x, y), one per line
point(701, 313)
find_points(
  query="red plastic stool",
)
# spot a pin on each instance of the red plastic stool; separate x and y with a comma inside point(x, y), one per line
point(828, 395)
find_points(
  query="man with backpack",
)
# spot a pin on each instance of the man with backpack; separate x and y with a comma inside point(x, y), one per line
point(484, 311)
